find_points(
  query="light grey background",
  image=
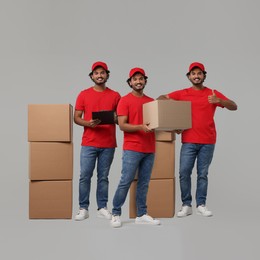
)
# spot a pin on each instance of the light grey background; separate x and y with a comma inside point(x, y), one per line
point(46, 51)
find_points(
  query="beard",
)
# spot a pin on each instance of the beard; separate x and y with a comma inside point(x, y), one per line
point(196, 83)
point(138, 88)
point(98, 83)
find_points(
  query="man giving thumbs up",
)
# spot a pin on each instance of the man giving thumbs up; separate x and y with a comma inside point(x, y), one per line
point(198, 142)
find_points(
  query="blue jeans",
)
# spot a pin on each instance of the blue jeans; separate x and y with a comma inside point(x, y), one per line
point(133, 161)
point(189, 153)
point(88, 157)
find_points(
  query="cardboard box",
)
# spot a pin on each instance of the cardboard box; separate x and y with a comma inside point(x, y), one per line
point(164, 161)
point(50, 161)
point(167, 114)
point(50, 123)
point(50, 199)
point(160, 199)
point(167, 136)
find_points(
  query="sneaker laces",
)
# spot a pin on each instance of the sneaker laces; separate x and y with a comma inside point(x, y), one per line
point(204, 208)
point(104, 211)
point(149, 217)
point(115, 218)
point(184, 209)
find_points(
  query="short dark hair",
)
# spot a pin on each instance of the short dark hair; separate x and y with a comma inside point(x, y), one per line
point(91, 73)
point(204, 72)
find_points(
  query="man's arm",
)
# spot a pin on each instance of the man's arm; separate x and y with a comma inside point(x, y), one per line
point(80, 121)
point(229, 104)
point(163, 97)
point(126, 127)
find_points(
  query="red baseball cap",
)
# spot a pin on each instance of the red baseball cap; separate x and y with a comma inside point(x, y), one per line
point(99, 64)
point(196, 65)
point(137, 70)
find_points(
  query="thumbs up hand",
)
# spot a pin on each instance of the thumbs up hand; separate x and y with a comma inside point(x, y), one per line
point(213, 99)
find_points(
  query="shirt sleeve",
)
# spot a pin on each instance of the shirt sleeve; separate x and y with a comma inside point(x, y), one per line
point(122, 108)
point(118, 99)
point(175, 95)
point(80, 102)
point(220, 95)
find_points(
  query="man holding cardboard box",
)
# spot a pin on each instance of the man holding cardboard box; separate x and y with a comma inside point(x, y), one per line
point(138, 149)
point(98, 140)
point(198, 142)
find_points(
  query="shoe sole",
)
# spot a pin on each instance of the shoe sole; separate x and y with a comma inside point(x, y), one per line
point(116, 226)
point(199, 213)
point(147, 223)
point(183, 216)
point(81, 219)
point(105, 217)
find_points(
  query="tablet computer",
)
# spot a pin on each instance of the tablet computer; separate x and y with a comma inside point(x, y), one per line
point(105, 116)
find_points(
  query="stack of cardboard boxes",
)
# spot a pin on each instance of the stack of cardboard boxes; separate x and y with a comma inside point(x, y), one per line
point(164, 116)
point(50, 161)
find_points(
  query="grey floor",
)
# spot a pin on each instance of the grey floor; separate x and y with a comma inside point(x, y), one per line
point(223, 236)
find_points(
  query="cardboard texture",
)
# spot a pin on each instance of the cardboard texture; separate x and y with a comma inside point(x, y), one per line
point(50, 122)
point(164, 161)
point(167, 114)
point(160, 198)
point(50, 161)
point(50, 199)
point(167, 136)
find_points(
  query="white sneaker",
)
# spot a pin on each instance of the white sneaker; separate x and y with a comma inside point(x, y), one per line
point(202, 210)
point(185, 211)
point(82, 214)
point(115, 221)
point(104, 213)
point(146, 219)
